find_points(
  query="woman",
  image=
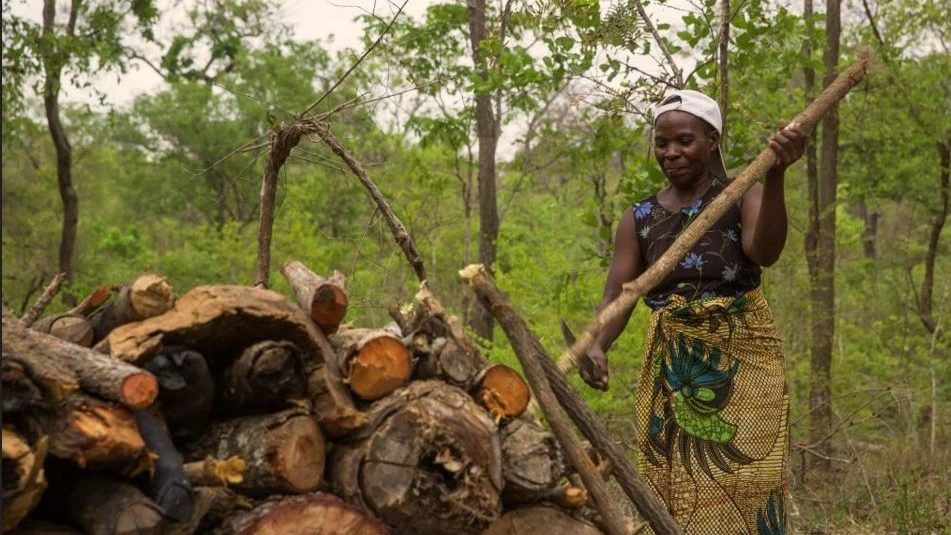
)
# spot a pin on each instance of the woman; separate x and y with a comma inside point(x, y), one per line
point(711, 403)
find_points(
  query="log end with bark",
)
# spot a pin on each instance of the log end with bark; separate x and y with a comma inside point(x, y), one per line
point(266, 376)
point(540, 520)
point(533, 463)
point(323, 298)
point(69, 327)
point(502, 392)
point(312, 514)
point(373, 362)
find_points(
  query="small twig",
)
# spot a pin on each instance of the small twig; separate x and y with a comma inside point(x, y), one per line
point(48, 294)
point(400, 233)
point(678, 75)
point(809, 449)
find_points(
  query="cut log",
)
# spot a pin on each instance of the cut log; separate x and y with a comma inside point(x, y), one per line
point(70, 327)
point(284, 452)
point(313, 514)
point(105, 505)
point(186, 390)
point(266, 376)
point(212, 505)
point(502, 392)
point(23, 477)
point(216, 321)
point(97, 373)
point(96, 434)
point(442, 358)
point(532, 462)
point(332, 404)
point(147, 296)
point(540, 520)
point(428, 462)
point(323, 298)
point(169, 486)
point(216, 472)
point(373, 362)
point(93, 301)
point(34, 380)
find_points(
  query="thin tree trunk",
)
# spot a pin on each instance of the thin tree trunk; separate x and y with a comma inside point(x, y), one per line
point(54, 60)
point(823, 333)
point(724, 71)
point(925, 311)
point(487, 129)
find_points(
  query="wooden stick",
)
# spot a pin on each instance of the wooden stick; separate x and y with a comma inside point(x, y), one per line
point(529, 356)
point(633, 290)
point(48, 294)
point(400, 233)
point(525, 343)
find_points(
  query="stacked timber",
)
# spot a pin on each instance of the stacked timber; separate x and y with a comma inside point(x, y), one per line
point(237, 410)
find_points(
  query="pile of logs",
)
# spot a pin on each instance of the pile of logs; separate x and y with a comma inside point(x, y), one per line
point(235, 410)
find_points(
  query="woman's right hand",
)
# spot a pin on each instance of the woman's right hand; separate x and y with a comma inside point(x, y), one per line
point(594, 368)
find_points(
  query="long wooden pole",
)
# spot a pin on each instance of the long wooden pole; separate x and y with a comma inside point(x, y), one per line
point(805, 122)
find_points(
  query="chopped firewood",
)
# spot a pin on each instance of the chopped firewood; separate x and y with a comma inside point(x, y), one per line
point(186, 389)
point(332, 404)
point(34, 380)
point(428, 462)
point(284, 451)
point(96, 434)
point(323, 298)
point(97, 373)
point(502, 392)
point(532, 462)
point(212, 505)
point(216, 472)
point(216, 321)
point(313, 514)
point(70, 327)
point(105, 505)
point(372, 362)
point(93, 301)
point(442, 358)
point(169, 486)
point(147, 296)
point(540, 520)
point(23, 477)
point(266, 376)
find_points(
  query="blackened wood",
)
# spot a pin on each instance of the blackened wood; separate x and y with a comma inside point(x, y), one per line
point(147, 296)
point(169, 486)
point(323, 298)
point(266, 376)
point(186, 389)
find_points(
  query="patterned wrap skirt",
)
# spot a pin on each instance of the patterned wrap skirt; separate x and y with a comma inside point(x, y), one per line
point(712, 410)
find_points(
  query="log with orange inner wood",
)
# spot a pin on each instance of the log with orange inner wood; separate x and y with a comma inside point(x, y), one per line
point(235, 409)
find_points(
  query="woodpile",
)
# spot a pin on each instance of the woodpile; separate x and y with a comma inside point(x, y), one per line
point(237, 410)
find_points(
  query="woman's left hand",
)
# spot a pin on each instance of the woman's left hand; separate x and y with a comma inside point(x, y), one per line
point(788, 145)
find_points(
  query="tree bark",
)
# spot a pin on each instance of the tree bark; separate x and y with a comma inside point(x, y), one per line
point(313, 513)
point(104, 505)
point(823, 332)
point(95, 434)
point(925, 311)
point(532, 462)
point(97, 373)
point(540, 520)
point(267, 375)
point(373, 362)
point(502, 392)
point(147, 296)
point(323, 298)
point(284, 452)
point(216, 321)
point(428, 462)
point(53, 61)
point(332, 403)
point(33, 380)
point(72, 328)
point(24, 479)
point(487, 129)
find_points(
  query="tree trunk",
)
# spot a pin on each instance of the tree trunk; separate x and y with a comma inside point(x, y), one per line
point(313, 514)
point(147, 296)
point(487, 130)
point(373, 362)
point(502, 392)
point(104, 505)
point(323, 298)
point(428, 462)
point(540, 520)
point(823, 294)
point(723, 68)
point(266, 376)
point(869, 230)
point(23, 477)
point(284, 452)
point(53, 60)
point(96, 435)
point(532, 462)
point(218, 322)
point(934, 236)
point(72, 328)
point(97, 373)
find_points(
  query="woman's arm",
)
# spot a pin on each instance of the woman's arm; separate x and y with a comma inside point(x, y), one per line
point(765, 223)
point(625, 266)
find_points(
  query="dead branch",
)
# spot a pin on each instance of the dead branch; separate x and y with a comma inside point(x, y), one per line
point(678, 75)
point(48, 294)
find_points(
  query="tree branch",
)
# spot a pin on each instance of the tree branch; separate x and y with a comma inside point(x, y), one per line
point(678, 75)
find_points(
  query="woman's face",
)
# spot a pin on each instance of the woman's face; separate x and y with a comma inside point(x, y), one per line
point(683, 146)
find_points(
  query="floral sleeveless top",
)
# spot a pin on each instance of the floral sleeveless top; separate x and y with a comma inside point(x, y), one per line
point(715, 267)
